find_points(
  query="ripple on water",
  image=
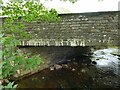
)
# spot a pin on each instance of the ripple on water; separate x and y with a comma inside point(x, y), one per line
point(106, 60)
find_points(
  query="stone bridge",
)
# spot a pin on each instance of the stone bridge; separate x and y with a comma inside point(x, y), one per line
point(65, 37)
point(79, 29)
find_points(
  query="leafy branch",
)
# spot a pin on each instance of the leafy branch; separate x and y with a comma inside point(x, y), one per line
point(14, 30)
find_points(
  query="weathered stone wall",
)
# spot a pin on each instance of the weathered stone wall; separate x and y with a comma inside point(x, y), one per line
point(80, 29)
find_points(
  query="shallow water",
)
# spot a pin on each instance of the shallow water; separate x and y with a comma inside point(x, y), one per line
point(77, 74)
point(107, 59)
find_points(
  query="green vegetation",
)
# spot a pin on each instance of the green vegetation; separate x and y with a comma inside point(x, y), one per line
point(9, 86)
point(13, 32)
point(72, 1)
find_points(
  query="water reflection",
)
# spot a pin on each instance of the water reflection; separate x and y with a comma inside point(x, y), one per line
point(76, 74)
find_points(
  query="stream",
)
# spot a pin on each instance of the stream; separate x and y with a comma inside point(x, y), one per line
point(101, 72)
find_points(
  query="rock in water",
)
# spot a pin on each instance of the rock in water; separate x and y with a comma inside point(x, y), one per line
point(52, 68)
point(73, 69)
point(94, 62)
point(56, 66)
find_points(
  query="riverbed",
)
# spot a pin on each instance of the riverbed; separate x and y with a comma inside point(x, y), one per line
point(101, 72)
